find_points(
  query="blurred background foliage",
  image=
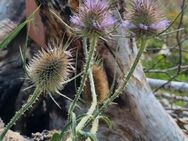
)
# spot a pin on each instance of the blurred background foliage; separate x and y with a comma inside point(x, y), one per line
point(162, 57)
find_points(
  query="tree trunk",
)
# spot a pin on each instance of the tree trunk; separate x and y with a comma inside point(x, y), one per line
point(138, 115)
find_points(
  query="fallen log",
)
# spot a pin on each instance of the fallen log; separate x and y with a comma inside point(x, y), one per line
point(173, 85)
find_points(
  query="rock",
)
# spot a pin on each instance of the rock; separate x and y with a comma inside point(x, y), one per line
point(7, 10)
point(1, 123)
point(44, 135)
point(11, 78)
point(14, 136)
point(165, 102)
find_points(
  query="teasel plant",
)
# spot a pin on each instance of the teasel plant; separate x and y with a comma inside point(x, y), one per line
point(49, 70)
point(91, 23)
point(101, 84)
point(147, 9)
point(102, 91)
point(144, 20)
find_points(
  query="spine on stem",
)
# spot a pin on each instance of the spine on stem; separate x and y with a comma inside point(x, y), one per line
point(126, 77)
point(81, 124)
point(90, 56)
point(32, 99)
point(94, 128)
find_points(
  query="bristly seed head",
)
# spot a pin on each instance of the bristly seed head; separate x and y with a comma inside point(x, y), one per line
point(93, 18)
point(101, 85)
point(50, 68)
point(145, 18)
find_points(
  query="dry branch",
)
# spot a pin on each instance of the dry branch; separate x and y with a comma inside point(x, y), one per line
point(173, 85)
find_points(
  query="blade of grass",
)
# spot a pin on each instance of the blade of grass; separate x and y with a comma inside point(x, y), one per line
point(13, 34)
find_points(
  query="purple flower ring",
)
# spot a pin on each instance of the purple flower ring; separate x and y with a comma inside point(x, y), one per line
point(93, 17)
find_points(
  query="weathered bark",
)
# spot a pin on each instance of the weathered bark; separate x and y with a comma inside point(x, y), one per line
point(137, 116)
point(143, 116)
point(13, 10)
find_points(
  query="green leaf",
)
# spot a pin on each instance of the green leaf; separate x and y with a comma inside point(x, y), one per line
point(106, 120)
point(68, 125)
point(13, 34)
point(73, 126)
point(56, 137)
point(93, 137)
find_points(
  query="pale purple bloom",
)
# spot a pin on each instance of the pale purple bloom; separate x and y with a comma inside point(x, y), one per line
point(153, 28)
point(138, 4)
point(127, 25)
point(143, 26)
point(93, 17)
point(76, 21)
point(145, 18)
point(162, 25)
point(108, 21)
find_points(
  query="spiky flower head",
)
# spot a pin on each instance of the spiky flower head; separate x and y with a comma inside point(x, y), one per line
point(50, 68)
point(145, 18)
point(101, 85)
point(93, 18)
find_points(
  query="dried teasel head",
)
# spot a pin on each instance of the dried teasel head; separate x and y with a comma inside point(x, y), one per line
point(50, 68)
point(93, 17)
point(101, 85)
point(145, 18)
point(74, 5)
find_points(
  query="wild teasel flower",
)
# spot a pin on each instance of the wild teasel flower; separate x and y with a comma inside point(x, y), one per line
point(145, 18)
point(50, 68)
point(93, 18)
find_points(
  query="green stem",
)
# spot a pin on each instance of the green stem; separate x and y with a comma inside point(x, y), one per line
point(94, 128)
point(92, 108)
point(126, 77)
point(86, 70)
point(81, 124)
point(123, 84)
point(19, 113)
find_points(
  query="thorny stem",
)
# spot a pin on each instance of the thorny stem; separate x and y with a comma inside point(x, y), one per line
point(126, 77)
point(84, 77)
point(125, 80)
point(123, 84)
point(86, 70)
point(94, 128)
point(19, 113)
point(81, 124)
